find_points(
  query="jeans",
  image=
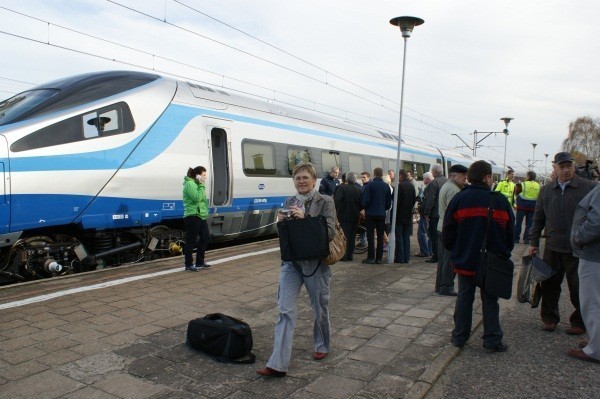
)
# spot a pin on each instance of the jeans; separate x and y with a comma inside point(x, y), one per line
point(373, 223)
point(423, 238)
point(589, 296)
point(528, 215)
point(444, 282)
point(403, 232)
point(565, 264)
point(194, 228)
point(463, 314)
point(290, 283)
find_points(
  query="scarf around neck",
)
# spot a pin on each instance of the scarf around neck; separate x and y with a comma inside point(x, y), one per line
point(306, 198)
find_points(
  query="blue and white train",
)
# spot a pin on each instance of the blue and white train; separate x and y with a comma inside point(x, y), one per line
point(92, 167)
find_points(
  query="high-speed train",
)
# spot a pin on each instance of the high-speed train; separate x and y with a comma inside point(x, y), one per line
point(92, 167)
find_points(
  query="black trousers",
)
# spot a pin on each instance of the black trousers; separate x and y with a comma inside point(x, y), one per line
point(373, 223)
point(432, 232)
point(349, 229)
point(567, 265)
point(195, 228)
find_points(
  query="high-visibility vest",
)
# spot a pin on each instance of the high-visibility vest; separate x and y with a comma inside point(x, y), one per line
point(507, 188)
point(530, 190)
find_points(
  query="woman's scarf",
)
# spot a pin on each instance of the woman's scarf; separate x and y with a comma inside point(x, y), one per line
point(306, 198)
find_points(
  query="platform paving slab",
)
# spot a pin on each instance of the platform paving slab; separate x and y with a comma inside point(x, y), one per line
point(390, 334)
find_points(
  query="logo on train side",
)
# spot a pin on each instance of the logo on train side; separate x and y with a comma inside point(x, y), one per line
point(261, 186)
point(260, 200)
point(168, 206)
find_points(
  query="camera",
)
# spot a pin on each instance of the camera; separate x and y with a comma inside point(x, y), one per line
point(286, 213)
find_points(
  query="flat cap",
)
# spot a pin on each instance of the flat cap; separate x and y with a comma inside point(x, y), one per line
point(563, 157)
point(458, 169)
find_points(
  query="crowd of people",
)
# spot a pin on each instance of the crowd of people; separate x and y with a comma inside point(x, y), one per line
point(458, 216)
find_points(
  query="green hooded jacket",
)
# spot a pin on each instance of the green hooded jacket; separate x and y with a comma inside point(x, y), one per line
point(194, 198)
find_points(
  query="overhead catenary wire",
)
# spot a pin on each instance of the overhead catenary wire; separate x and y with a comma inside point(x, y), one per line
point(436, 129)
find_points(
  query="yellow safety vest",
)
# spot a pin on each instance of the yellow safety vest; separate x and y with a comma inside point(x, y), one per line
point(507, 188)
point(530, 191)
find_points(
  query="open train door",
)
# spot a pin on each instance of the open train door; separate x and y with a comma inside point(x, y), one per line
point(4, 187)
point(221, 170)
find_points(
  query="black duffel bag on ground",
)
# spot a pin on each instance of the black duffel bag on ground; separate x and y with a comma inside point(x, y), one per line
point(224, 338)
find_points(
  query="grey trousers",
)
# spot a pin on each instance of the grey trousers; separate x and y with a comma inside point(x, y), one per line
point(444, 282)
point(317, 287)
point(589, 301)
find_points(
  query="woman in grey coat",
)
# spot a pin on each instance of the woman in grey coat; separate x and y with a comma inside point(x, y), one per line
point(313, 274)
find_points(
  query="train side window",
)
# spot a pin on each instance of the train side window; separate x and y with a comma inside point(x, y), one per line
point(106, 121)
point(356, 163)
point(297, 156)
point(376, 163)
point(421, 169)
point(258, 158)
point(329, 159)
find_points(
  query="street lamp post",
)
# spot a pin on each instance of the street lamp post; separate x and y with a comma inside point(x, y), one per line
point(533, 157)
point(505, 131)
point(406, 25)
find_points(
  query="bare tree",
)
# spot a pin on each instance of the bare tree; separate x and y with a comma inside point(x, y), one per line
point(583, 139)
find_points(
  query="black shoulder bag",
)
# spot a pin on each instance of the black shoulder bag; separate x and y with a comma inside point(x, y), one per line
point(303, 239)
point(494, 272)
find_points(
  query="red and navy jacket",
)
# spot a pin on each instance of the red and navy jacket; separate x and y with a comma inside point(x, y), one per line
point(465, 223)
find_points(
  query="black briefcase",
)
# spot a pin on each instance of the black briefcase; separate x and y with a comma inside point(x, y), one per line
point(224, 338)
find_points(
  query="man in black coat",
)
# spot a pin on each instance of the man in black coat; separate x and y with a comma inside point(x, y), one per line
point(376, 200)
point(404, 217)
point(330, 182)
point(348, 207)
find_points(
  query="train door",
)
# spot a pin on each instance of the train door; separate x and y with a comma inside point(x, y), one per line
point(4, 187)
point(221, 170)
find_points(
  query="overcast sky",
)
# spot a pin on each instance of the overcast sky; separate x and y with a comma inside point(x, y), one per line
point(470, 64)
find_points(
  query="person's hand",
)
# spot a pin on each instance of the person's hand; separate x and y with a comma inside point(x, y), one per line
point(532, 250)
point(297, 213)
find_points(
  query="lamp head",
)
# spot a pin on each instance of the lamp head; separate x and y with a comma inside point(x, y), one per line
point(534, 145)
point(506, 120)
point(406, 24)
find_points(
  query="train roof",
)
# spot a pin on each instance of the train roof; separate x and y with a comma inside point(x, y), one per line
point(70, 92)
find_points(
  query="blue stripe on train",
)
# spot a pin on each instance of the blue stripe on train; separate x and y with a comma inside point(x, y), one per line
point(44, 210)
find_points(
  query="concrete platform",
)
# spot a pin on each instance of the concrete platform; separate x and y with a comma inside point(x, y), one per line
point(390, 332)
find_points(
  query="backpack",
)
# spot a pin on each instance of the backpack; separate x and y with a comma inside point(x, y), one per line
point(224, 338)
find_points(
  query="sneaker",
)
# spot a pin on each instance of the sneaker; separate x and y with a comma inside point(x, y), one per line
point(192, 268)
point(206, 266)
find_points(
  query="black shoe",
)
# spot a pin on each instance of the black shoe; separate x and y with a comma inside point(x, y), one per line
point(459, 346)
point(449, 293)
point(378, 261)
point(398, 261)
point(192, 268)
point(206, 266)
point(432, 260)
point(497, 348)
point(369, 261)
point(349, 259)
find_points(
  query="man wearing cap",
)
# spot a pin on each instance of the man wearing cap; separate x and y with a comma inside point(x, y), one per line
point(526, 197)
point(507, 186)
point(444, 282)
point(554, 211)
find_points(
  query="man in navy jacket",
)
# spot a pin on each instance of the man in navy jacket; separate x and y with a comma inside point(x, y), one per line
point(376, 200)
point(465, 224)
